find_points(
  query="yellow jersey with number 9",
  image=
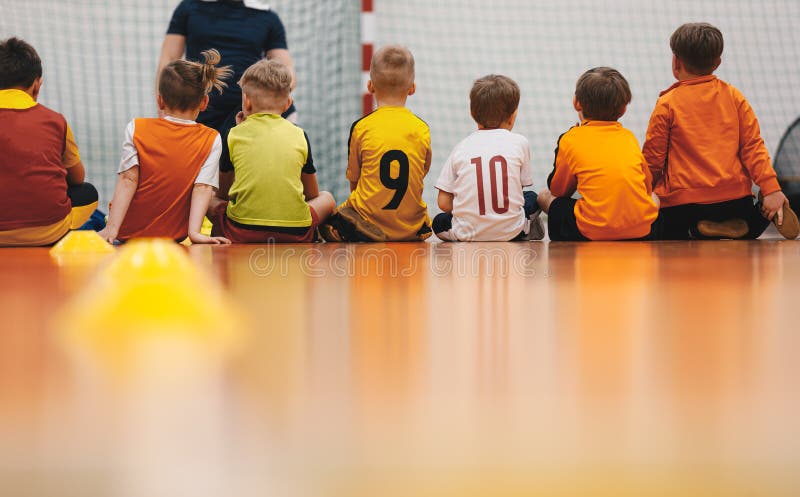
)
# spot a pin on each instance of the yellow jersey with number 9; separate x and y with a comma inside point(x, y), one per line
point(390, 154)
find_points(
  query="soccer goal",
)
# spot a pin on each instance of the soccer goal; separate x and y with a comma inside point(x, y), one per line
point(100, 58)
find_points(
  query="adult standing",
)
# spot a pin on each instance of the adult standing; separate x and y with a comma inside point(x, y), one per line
point(243, 31)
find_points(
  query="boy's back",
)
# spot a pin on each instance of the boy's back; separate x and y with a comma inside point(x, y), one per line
point(172, 155)
point(388, 158)
point(268, 155)
point(603, 162)
point(32, 174)
point(486, 173)
point(706, 145)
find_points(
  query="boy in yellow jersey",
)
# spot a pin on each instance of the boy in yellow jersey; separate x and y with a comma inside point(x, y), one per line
point(274, 196)
point(389, 156)
point(602, 161)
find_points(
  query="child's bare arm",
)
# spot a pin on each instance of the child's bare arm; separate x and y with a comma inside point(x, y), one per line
point(76, 174)
point(201, 196)
point(310, 186)
point(127, 183)
point(445, 201)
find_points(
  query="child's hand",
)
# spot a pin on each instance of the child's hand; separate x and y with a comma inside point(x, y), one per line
point(772, 205)
point(240, 117)
point(213, 240)
point(108, 235)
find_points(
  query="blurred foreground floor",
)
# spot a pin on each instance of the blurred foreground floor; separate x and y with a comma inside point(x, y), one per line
point(602, 369)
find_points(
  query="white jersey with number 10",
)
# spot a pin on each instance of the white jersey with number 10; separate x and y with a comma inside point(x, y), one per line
point(486, 173)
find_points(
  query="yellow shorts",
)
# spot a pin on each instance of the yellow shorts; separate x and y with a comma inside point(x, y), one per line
point(47, 235)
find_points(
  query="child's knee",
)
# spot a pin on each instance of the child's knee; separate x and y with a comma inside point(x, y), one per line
point(544, 199)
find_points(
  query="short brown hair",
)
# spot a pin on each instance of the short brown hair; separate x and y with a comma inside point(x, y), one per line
point(699, 46)
point(603, 94)
point(20, 65)
point(392, 69)
point(183, 84)
point(493, 99)
point(267, 82)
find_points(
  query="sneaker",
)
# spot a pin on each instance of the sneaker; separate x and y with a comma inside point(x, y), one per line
point(329, 233)
point(731, 228)
point(790, 228)
point(536, 230)
point(363, 227)
point(424, 233)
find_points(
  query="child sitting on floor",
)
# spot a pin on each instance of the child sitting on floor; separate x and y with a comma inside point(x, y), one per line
point(170, 165)
point(274, 196)
point(480, 186)
point(602, 161)
point(42, 190)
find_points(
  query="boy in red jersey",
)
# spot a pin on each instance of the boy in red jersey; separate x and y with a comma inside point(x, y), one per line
point(42, 190)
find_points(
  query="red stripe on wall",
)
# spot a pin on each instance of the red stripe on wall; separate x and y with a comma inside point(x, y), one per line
point(366, 5)
point(368, 103)
point(366, 56)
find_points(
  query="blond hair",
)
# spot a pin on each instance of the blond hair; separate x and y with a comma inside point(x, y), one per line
point(493, 100)
point(267, 83)
point(183, 83)
point(392, 70)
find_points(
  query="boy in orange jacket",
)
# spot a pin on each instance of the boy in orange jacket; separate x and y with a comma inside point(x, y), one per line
point(704, 149)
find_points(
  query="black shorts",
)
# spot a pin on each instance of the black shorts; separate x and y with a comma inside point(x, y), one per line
point(562, 226)
point(680, 222)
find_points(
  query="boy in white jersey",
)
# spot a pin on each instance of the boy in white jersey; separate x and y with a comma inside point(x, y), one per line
point(480, 186)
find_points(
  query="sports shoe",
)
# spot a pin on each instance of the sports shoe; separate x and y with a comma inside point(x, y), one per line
point(730, 228)
point(790, 228)
point(363, 227)
point(536, 230)
point(329, 233)
point(424, 233)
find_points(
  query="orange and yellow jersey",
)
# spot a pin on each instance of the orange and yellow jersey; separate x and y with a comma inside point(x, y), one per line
point(602, 161)
point(704, 145)
point(390, 153)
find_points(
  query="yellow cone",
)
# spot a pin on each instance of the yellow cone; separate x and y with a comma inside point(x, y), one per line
point(153, 287)
point(81, 243)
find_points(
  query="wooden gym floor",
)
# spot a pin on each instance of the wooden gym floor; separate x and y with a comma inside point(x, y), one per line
point(518, 369)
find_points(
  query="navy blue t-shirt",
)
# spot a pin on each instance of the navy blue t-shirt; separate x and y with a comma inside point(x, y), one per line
point(242, 35)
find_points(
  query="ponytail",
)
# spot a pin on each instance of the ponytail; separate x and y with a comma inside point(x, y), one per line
point(213, 76)
point(183, 83)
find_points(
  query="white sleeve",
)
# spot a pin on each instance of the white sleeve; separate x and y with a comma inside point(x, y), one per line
point(130, 156)
point(447, 178)
point(209, 173)
point(525, 173)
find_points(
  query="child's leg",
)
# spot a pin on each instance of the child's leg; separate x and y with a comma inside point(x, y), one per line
point(532, 212)
point(544, 199)
point(442, 224)
point(561, 222)
point(323, 204)
point(531, 202)
point(84, 199)
point(742, 208)
point(678, 221)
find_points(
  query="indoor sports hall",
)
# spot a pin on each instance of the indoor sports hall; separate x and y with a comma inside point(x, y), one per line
point(524, 368)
